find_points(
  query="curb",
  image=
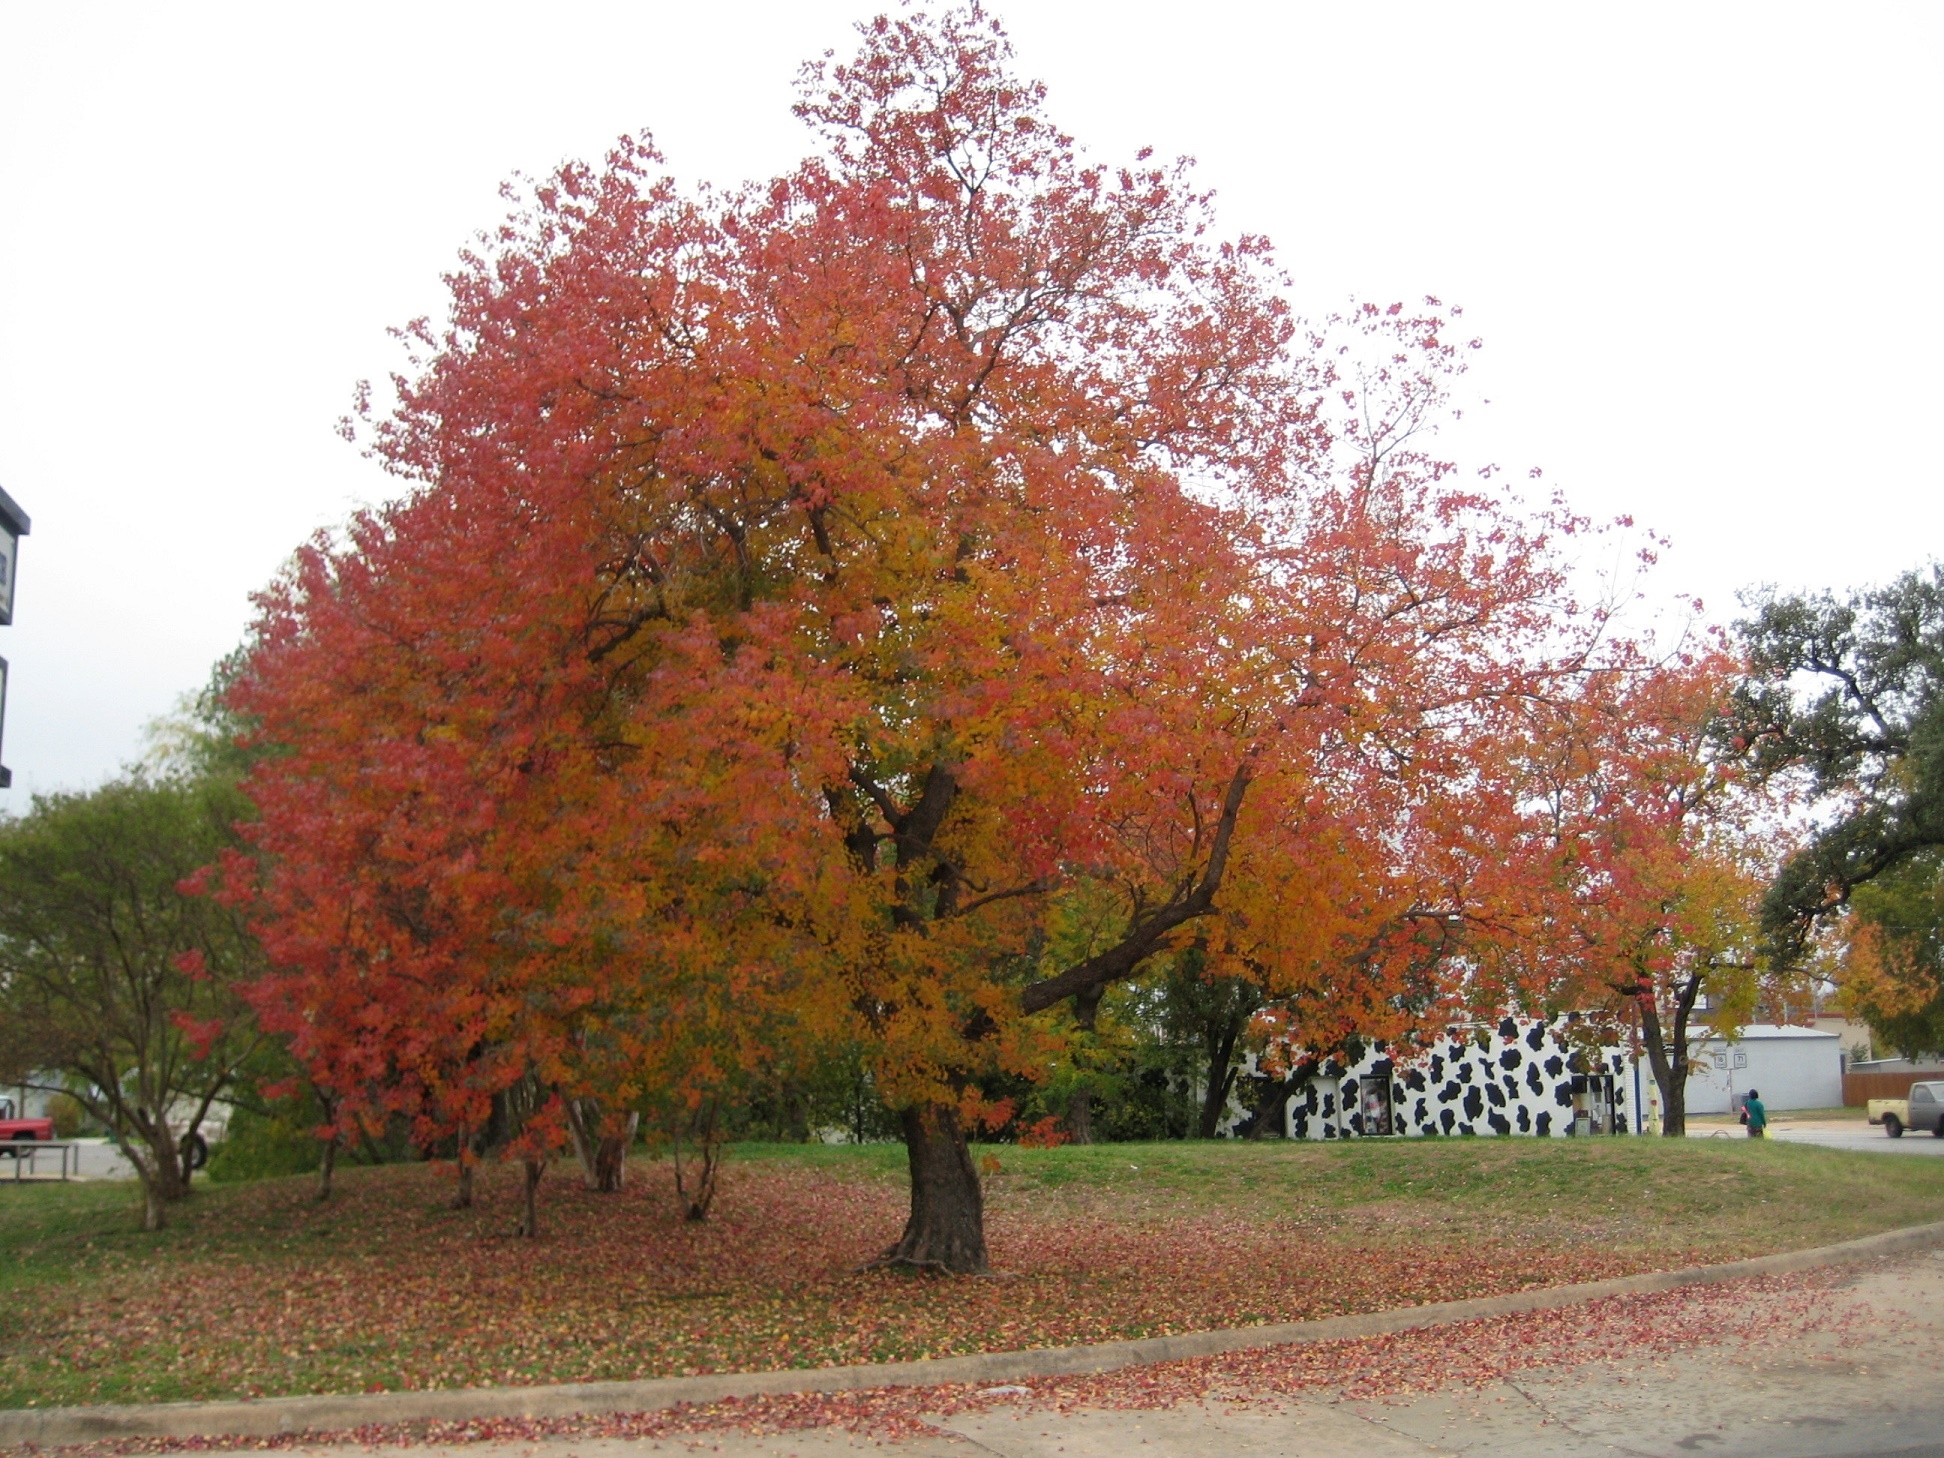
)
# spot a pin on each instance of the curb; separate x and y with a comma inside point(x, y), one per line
point(270, 1417)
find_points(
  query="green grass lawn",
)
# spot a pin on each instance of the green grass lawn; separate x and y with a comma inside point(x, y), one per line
point(256, 1289)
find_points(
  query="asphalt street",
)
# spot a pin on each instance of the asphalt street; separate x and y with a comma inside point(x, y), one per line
point(1831, 1134)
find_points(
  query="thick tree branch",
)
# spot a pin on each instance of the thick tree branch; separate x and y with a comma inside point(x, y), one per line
point(1149, 933)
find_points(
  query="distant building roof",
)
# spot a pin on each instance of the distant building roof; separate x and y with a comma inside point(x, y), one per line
point(1753, 1031)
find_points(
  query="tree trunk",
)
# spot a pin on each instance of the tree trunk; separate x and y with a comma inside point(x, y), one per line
point(327, 1106)
point(1668, 1058)
point(327, 1169)
point(462, 1198)
point(171, 1168)
point(1079, 1119)
point(611, 1157)
point(600, 1145)
point(1221, 1075)
point(530, 1217)
point(160, 1170)
point(155, 1210)
point(707, 1165)
point(946, 1231)
point(583, 1127)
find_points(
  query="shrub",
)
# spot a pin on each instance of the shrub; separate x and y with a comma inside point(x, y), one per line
point(264, 1146)
point(68, 1116)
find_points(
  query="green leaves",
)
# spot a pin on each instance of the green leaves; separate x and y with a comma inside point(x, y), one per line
point(1847, 694)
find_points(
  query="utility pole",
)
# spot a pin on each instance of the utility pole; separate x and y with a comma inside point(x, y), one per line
point(13, 526)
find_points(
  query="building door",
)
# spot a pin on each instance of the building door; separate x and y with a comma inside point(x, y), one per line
point(1593, 1104)
point(1376, 1109)
point(1599, 1102)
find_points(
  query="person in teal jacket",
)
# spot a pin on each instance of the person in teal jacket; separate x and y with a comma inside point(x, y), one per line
point(1755, 1116)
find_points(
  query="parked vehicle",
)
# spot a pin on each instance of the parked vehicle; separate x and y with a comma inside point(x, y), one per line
point(1923, 1109)
point(13, 1128)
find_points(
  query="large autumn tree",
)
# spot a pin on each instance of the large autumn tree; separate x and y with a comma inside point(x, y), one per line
point(803, 593)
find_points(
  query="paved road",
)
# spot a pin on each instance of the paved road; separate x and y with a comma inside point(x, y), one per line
point(1831, 1134)
point(1871, 1389)
point(90, 1159)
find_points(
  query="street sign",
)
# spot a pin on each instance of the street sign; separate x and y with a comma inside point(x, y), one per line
point(13, 526)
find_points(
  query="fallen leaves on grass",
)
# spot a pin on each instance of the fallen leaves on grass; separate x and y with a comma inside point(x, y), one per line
point(387, 1289)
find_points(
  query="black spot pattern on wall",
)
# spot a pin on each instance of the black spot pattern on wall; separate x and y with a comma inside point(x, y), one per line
point(1467, 1086)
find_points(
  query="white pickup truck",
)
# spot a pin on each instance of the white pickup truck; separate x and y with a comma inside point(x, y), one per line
point(1924, 1109)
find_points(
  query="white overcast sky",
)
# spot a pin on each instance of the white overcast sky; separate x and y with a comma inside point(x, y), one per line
point(1701, 242)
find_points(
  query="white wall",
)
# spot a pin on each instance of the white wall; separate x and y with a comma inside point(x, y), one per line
point(1791, 1068)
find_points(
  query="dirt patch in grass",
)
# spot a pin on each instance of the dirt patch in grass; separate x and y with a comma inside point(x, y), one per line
point(256, 1290)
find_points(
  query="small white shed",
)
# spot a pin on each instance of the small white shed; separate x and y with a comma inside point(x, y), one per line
point(1792, 1068)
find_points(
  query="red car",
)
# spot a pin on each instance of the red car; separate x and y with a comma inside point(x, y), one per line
point(12, 1128)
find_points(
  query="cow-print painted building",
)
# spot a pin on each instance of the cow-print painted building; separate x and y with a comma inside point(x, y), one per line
point(1518, 1078)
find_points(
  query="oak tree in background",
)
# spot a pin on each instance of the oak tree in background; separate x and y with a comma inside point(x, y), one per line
point(802, 590)
point(1847, 695)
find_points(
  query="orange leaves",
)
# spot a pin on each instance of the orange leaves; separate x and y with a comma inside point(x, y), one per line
point(1047, 1133)
point(804, 589)
point(1632, 861)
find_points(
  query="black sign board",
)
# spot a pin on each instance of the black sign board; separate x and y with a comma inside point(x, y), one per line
point(13, 526)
